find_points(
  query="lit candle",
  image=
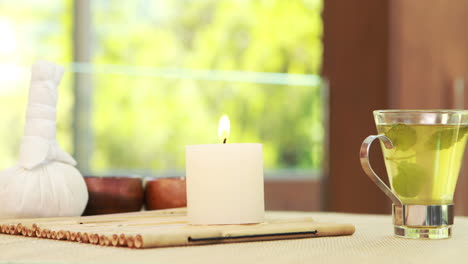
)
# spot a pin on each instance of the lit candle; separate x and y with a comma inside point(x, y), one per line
point(225, 181)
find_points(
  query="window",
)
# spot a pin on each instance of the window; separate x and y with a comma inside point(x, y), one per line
point(160, 74)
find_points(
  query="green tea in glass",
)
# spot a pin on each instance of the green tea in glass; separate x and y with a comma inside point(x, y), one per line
point(423, 152)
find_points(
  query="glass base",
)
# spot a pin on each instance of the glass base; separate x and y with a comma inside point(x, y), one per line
point(424, 232)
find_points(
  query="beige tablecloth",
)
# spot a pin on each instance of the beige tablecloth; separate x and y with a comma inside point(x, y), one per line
point(373, 242)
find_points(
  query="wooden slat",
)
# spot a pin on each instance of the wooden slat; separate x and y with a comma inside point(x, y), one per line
point(428, 54)
point(355, 64)
point(399, 54)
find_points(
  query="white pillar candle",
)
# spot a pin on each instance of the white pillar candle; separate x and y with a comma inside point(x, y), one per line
point(225, 184)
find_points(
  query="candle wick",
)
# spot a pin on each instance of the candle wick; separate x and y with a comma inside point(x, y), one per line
point(224, 141)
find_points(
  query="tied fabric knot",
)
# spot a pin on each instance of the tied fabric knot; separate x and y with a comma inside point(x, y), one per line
point(39, 145)
point(35, 151)
point(44, 182)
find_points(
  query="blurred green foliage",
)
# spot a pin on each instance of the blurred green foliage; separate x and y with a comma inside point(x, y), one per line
point(143, 123)
point(32, 30)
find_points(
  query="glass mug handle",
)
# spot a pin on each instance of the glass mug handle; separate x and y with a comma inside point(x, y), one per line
point(365, 163)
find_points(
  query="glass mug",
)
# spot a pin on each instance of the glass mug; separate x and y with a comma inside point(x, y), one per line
point(423, 152)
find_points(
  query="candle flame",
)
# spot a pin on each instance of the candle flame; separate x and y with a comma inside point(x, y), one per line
point(224, 128)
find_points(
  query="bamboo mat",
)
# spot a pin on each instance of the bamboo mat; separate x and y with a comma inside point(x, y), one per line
point(163, 228)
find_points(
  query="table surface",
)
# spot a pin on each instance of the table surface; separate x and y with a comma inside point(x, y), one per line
point(373, 241)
